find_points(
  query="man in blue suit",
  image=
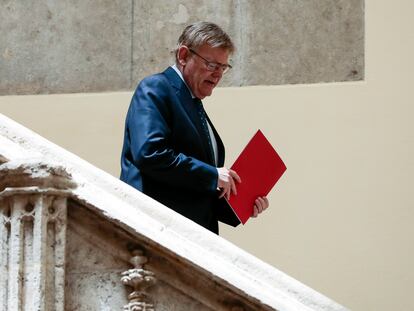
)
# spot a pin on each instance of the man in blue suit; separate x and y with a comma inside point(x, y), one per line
point(171, 151)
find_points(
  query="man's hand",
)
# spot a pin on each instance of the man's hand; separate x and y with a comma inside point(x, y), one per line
point(227, 181)
point(260, 205)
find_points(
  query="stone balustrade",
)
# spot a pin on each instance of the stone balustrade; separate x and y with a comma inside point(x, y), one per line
point(75, 238)
point(33, 204)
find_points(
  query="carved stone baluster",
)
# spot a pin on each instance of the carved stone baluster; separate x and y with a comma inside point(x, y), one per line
point(40, 248)
point(33, 237)
point(60, 219)
point(16, 254)
point(4, 252)
point(139, 279)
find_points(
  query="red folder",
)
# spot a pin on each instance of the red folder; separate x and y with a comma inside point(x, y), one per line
point(259, 167)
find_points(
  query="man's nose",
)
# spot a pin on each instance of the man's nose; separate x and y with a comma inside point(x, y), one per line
point(218, 73)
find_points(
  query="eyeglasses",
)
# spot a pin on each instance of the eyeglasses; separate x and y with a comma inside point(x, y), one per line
point(212, 66)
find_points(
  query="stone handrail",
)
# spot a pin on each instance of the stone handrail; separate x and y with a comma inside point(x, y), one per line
point(35, 172)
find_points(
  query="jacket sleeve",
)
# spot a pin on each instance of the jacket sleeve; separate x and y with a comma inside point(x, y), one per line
point(149, 133)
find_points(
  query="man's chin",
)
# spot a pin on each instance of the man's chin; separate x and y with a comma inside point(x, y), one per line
point(206, 93)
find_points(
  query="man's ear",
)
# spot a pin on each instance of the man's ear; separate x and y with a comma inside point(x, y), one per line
point(182, 55)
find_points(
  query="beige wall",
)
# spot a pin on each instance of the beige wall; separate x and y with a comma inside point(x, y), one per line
point(341, 219)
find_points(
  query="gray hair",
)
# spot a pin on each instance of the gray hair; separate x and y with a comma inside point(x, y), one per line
point(199, 33)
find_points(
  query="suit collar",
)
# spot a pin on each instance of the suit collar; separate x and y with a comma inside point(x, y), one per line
point(184, 95)
point(177, 81)
point(179, 73)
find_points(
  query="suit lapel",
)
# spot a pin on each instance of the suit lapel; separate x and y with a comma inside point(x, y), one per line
point(186, 101)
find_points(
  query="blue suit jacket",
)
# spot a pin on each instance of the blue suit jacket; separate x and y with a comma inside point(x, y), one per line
point(166, 153)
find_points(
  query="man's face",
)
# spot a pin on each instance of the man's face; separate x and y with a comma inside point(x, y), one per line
point(200, 80)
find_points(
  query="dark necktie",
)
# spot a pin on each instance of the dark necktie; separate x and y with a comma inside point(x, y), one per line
point(203, 119)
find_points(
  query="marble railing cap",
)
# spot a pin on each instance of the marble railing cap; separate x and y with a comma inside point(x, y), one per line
point(117, 202)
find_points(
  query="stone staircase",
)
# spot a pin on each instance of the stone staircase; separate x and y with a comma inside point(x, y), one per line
point(73, 237)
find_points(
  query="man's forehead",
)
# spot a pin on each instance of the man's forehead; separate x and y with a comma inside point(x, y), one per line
point(217, 51)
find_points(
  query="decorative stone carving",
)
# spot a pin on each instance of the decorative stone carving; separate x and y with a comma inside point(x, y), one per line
point(139, 279)
point(196, 270)
point(33, 201)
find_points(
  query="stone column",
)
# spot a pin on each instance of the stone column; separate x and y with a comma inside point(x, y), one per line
point(33, 199)
point(139, 279)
